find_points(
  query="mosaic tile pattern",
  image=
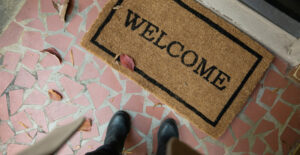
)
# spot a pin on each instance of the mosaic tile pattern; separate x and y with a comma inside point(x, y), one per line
point(269, 123)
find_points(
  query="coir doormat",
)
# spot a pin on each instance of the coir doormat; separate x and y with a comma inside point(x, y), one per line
point(187, 56)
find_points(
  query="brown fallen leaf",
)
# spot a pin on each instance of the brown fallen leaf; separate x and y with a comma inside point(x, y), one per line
point(124, 152)
point(22, 124)
point(86, 125)
point(157, 104)
point(117, 7)
point(55, 95)
point(53, 51)
point(276, 90)
point(72, 57)
point(127, 61)
point(61, 9)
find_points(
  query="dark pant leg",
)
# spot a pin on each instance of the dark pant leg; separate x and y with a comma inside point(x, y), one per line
point(104, 150)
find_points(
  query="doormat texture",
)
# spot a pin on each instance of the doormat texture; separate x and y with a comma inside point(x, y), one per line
point(187, 56)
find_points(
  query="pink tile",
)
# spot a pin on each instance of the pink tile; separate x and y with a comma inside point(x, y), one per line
point(64, 150)
point(74, 24)
point(109, 79)
point(91, 17)
point(100, 63)
point(140, 149)
point(65, 121)
point(83, 4)
point(30, 59)
point(142, 123)
point(57, 110)
point(38, 117)
point(214, 149)
point(40, 136)
point(24, 79)
point(102, 2)
point(294, 122)
point(97, 93)
point(71, 87)
point(291, 94)
point(239, 127)
point(187, 137)
point(53, 85)
point(82, 100)
point(54, 23)
point(15, 148)
point(227, 138)
point(258, 147)
point(198, 132)
point(68, 70)
point(88, 147)
point(156, 112)
point(254, 111)
point(104, 115)
point(275, 80)
point(242, 146)
point(47, 7)
point(264, 126)
point(29, 10)
point(272, 140)
point(33, 99)
point(78, 56)
point(289, 139)
point(6, 79)
point(280, 64)
point(79, 37)
point(11, 60)
point(116, 101)
point(91, 134)
point(132, 87)
point(27, 38)
point(268, 97)
point(3, 107)
point(43, 76)
point(23, 138)
point(153, 99)
point(90, 72)
point(135, 103)
point(19, 120)
point(11, 35)
point(37, 24)
point(155, 139)
point(132, 139)
point(281, 112)
point(5, 132)
point(50, 60)
point(75, 141)
point(122, 77)
point(256, 90)
point(15, 100)
point(60, 41)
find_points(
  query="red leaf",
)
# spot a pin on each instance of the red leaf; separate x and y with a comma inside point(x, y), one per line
point(127, 61)
point(53, 51)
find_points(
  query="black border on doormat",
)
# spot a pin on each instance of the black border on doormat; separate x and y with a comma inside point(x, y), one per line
point(162, 87)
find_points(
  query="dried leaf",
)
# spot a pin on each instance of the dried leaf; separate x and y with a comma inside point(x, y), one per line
point(127, 61)
point(126, 152)
point(55, 95)
point(22, 124)
point(117, 7)
point(2, 66)
point(157, 104)
point(77, 147)
point(296, 74)
point(276, 90)
point(29, 135)
point(61, 9)
point(86, 125)
point(53, 51)
point(72, 57)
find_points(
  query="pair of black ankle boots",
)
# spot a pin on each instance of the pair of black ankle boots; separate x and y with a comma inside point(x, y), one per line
point(119, 127)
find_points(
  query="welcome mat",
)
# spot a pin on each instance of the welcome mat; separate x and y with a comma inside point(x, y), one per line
point(188, 57)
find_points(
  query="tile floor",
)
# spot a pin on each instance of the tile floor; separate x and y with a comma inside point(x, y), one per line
point(269, 123)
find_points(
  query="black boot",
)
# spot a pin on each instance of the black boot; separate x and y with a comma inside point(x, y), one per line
point(117, 131)
point(167, 130)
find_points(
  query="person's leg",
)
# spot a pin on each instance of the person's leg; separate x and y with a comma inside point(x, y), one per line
point(117, 131)
point(167, 130)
